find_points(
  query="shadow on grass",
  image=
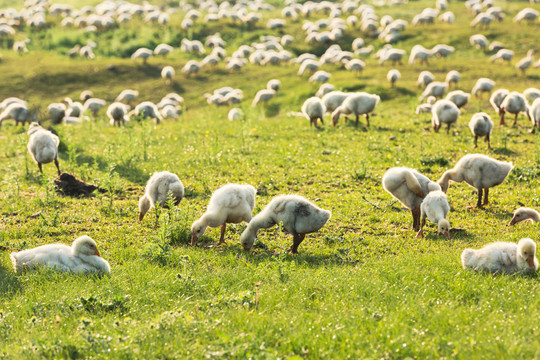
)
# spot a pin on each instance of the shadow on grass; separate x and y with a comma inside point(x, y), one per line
point(131, 173)
point(504, 151)
point(261, 254)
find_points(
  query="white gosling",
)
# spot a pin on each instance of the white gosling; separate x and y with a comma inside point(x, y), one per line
point(481, 126)
point(426, 108)
point(263, 96)
point(297, 215)
point(356, 104)
point(453, 77)
point(502, 257)
point(393, 76)
point(531, 94)
point(514, 103)
point(273, 84)
point(424, 78)
point(524, 214)
point(479, 171)
point(16, 111)
point(314, 109)
point(435, 207)
point(409, 187)
point(526, 62)
point(81, 257)
point(167, 74)
point(157, 191)
point(458, 97)
point(127, 96)
point(57, 111)
point(482, 85)
point(444, 112)
point(43, 146)
point(142, 53)
point(94, 105)
point(434, 88)
point(235, 114)
point(231, 203)
point(146, 109)
point(534, 114)
point(497, 98)
point(117, 113)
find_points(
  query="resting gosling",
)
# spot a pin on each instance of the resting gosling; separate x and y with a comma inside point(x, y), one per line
point(43, 146)
point(157, 192)
point(409, 187)
point(435, 207)
point(297, 215)
point(523, 214)
point(81, 257)
point(479, 171)
point(502, 257)
point(231, 203)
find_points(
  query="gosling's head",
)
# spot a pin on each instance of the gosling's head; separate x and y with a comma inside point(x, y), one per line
point(522, 214)
point(198, 229)
point(527, 251)
point(144, 206)
point(247, 239)
point(84, 245)
point(444, 228)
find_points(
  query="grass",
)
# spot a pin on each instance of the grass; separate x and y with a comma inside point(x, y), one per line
point(362, 287)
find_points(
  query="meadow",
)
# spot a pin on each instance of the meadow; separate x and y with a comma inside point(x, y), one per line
point(361, 287)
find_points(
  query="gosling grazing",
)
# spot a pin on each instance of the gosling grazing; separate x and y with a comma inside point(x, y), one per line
point(357, 104)
point(481, 125)
point(435, 207)
point(502, 257)
point(497, 98)
point(444, 112)
point(513, 103)
point(117, 113)
point(483, 85)
point(479, 171)
point(231, 203)
point(458, 97)
point(43, 146)
point(534, 114)
point(314, 109)
point(523, 214)
point(393, 76)
point(297, 215)
point(157, 191)
point(409, 187)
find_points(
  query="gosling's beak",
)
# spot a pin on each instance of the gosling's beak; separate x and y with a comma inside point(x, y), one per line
point(245, 248)
point(193, 239)
point(97, 253)
point(447, 234)
point(513, 221)
point(141, 216)
point(530, 261)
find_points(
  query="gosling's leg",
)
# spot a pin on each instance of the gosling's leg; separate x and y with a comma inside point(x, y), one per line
point(486, 193)
point(420, 233)
point(479, 203)
point(57, 166)
point(222, 237)
point(297, 240)
point(416, 219)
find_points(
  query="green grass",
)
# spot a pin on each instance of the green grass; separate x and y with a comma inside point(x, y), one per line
point(362, 287)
